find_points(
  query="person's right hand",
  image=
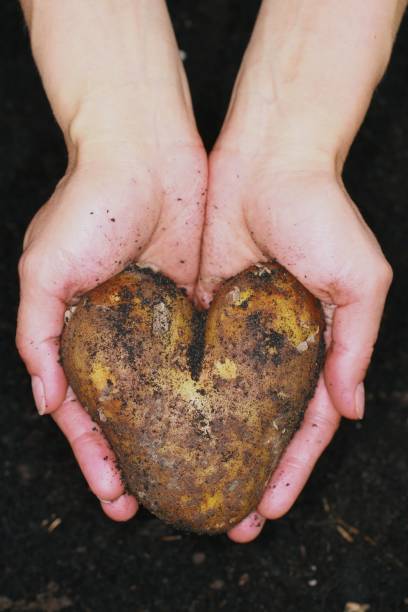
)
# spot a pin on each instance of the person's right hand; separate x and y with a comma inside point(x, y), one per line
point(275, 192)
point(142, 203)
point(303, 217)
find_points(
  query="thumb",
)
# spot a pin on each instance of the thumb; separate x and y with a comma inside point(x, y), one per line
point(39, 326)
point(221, 263)
point(354, 333)
point(227, 249)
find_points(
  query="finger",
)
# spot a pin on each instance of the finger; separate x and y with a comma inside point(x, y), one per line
point(39, 325)
point(92, 451)
point(121, 509)
point(316, 431)
point(354, 333)
point(174, 247)
point(248, 529)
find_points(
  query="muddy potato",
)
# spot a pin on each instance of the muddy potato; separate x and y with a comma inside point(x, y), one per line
point(197, 406)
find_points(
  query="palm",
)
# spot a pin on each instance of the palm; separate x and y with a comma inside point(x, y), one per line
point(100, 218)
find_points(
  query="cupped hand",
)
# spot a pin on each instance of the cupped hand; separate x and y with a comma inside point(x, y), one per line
point(261, 206)
point(133, 203)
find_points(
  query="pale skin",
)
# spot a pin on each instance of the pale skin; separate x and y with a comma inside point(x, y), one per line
point(136, 188)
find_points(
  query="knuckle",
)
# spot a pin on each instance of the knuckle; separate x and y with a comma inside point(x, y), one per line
point(36, 270)
point(25, 347)
point(382, 276)
point(21, 345)
point(272, 508)
point(27, 266)
point(322, 421)
point(386, 274)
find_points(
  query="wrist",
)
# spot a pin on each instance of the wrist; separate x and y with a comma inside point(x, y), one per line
point(129, 129)
point(126, 133)
point(309, 73)
point(108, 66)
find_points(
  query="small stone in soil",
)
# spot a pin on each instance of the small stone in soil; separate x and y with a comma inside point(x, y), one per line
point(217, 584)
point(198, 558)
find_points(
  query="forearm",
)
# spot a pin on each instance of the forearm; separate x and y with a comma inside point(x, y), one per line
point(313, 67)
point(101, 60)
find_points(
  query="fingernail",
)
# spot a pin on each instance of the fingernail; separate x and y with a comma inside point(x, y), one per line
point(359, 401)
point(39, 394)
point(105, 501)
point(257, 521)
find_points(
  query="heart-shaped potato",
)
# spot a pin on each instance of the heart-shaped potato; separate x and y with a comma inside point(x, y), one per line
point(198, 406)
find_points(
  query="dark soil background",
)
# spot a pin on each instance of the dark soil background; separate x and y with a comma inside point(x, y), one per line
point(346, 540)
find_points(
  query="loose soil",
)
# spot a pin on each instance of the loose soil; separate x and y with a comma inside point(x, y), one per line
point(346, 538)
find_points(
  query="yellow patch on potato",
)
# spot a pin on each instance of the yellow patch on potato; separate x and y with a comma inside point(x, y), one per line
point(100, 375)
point(226, 369)
point(212, 502)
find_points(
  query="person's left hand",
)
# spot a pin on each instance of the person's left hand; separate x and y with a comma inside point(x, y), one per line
point(262, 206)
point(130, 203)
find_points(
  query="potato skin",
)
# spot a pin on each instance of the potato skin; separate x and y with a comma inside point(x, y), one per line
point(198, 407)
